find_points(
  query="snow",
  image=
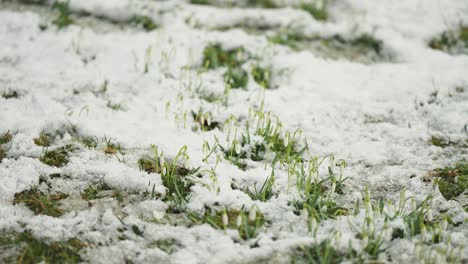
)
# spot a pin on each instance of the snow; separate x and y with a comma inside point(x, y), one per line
point(374, 116)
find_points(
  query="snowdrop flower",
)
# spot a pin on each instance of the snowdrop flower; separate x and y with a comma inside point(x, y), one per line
point(423, 231)
point(313, 223)
point(208, 120)
point(429, 215)
point(239, 221)
point(225, 219)
point(286, 140)
point(202, 120)
point(163, 170)
point(413, 204)
point(365, 241)
point(368, 206)
point(253, 213)
point(161, 160)
point(332, 163)
point(304, 213)
point(237, 148)
point(444, 224)
point(388, 234)
point(333, 187)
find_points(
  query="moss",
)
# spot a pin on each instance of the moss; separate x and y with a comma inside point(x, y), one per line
point(25, 248)
point(40, 203)
point(57, 157)
point(452, 180)
point(145, 22)
point(44, 139)
point(214, 56)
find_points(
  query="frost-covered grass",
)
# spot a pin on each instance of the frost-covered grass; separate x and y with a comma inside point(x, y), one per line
point(233, 131)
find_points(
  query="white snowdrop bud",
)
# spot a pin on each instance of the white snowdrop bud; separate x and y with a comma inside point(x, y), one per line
point(444, 224)
point(304, 213)
point(333, 187)
point(225, 219)
point(313, 223)
point(237, 147)
point(208, 120)
point(368, 206)
point(239, 221)
point(202, 120)
point(423, 231)
point(253, 213)
point(388, 234)
point(286, 140)
point(332, 163)
point(365, 241)
point(163, 170)
point(429, 215)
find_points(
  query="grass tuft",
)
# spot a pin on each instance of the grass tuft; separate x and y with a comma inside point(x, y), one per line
point(174, 176)
point(40, 203)
point(57, 157)
point(247, 223)
point(63, 19)
point(44, 139)
point(236, 77)
point(452, 180)
point(10, 94)
point(262, 76)
point(5, 138)
point(452, 41)
point(92, 192)
point(145, 22)
point(323, 253)
point(214, 56)
point(317, 9)
point(28, 249)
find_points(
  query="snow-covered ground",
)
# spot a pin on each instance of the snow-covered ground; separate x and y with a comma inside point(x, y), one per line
point(106, 79)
